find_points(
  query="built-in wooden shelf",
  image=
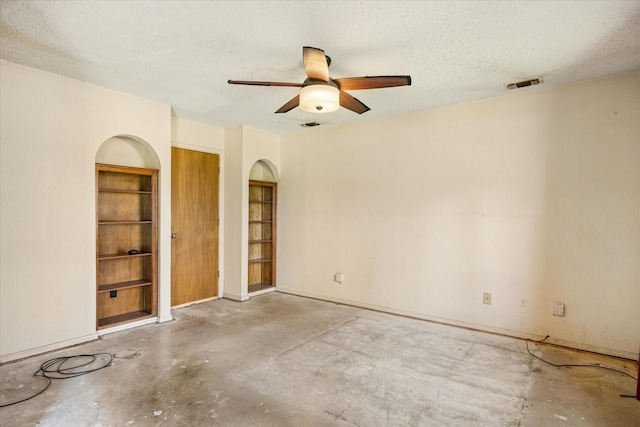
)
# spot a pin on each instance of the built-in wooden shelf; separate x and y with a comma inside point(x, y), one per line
point(104, 257)
point(124, 222)
point(124, 191)
point(120, 319)
point(259, 260)
point(126, 219)
point(124, 285)
point(262, 235)
point(259, 287)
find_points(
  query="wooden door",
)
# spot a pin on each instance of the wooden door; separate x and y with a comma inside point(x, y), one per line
point(194, 223)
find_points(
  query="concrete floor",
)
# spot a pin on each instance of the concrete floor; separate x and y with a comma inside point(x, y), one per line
point(281, 360)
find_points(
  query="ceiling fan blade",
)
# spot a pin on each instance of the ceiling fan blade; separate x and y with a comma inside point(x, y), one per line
point(254, 83)
point(315, 63)
point(350, 103)
point(290, 105)
point(375, 82)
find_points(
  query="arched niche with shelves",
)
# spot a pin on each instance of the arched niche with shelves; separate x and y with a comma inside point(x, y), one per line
point(126, 232)
point(262, 228)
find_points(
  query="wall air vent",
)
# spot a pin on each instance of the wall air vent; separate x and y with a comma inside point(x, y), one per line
point(524, 83)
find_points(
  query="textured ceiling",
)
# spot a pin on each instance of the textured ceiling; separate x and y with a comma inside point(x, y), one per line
point(182, 53)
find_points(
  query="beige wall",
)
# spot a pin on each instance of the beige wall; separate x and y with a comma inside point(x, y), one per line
point(532, 197)
point(244, 147)
point(51, 128)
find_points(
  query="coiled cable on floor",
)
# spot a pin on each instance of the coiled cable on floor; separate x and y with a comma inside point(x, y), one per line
point(62, 368)
point(576, 365)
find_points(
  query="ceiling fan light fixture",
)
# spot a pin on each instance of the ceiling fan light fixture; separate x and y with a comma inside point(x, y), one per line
point(319, 98)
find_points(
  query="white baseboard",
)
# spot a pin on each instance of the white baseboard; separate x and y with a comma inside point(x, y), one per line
point(235, 297)
point(47, 348)
point(483, 328)
point(167, 318)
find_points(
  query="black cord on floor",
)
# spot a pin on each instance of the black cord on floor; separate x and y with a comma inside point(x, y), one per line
point(576, 365)
point(62, 368)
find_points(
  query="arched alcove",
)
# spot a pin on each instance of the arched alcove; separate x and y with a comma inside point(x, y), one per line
point(262, 230)
point(127, 194)
point(126, 150)
point(264, 170)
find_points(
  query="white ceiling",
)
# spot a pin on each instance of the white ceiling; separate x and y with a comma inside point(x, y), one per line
point(182, 53)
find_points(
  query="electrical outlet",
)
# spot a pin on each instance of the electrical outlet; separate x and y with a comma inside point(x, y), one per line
point(486, 298)
point(113, 294)
point(558, 309)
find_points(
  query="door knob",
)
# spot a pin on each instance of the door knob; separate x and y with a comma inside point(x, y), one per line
point(173, 236)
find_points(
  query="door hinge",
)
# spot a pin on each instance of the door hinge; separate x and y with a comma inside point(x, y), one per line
point(218, 274)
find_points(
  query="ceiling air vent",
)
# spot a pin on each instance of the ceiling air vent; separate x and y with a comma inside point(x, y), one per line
point(524, 83)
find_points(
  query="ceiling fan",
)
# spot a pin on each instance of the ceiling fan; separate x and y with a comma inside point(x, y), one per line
point(320, 93)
